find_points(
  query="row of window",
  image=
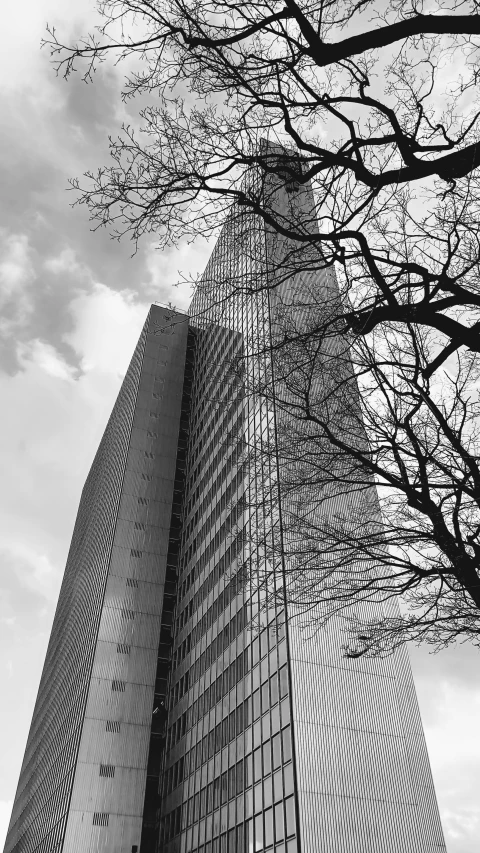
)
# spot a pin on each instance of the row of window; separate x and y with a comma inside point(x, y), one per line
point(232, 784)
point(212, 495)
point(229, 462)
point(223, 563)
point(222, 685)
point(208, 345)
point(225, 528)
point(230, 401)
point(215, 610)
point(267, 827)
point(218, 645)
point(234, 586)
point(216, 505)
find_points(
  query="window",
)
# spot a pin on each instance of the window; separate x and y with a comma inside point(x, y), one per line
point(268, 827)
point(256, 704)
point(277, 751)
point(287, 745)
point(274, 689)
point(257, 762)
point(267, 759)
point(279, 827)
point(259, 832)
point(283, 681)
point(290, 816)
point(265, 697)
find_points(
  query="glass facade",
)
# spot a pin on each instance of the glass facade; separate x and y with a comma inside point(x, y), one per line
point(204, 721)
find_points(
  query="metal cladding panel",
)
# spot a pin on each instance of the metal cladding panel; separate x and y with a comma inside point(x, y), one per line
point(125, 659)
point(120, 834)
point(363, 775)
point(41, 802)
point(94, 705)
point(133, 705)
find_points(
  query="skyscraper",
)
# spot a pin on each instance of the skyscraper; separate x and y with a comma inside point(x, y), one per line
point(177, 711)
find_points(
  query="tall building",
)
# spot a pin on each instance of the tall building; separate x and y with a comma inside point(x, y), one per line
point(176, 711)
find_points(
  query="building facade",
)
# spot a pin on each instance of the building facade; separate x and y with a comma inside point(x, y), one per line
point(178, 709)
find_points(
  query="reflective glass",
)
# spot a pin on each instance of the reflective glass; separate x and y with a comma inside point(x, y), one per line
point(290, 816)
point(268, 827)
point(287, 744)
point(258, 797)
point(279, 827)
point(259, 832)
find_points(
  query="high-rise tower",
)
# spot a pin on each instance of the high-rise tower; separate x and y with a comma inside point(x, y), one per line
point(175, 711)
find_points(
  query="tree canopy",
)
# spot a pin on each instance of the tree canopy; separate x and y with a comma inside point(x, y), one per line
point(378, 101)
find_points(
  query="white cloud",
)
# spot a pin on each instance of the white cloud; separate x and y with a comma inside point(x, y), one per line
point(107, 326)
point(33, 569)
point(47, 358)
point(65, 262)
point(16, 275)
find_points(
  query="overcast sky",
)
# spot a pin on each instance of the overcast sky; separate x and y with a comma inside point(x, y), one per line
point(72, 304)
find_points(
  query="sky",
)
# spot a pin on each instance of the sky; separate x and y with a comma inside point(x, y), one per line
point(72, 303)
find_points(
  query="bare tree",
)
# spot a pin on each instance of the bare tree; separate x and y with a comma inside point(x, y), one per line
point(378, 102)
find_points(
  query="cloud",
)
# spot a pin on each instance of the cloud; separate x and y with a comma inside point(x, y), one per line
point(46, 358)
point(449, 697)
point(107, 325)
point(16, 276)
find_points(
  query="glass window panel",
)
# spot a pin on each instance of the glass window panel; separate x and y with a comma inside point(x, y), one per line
point(259, 832)
point(287, 744)
point(279, 827)
point(290, 816)
point(267, 792)
point(282, 653)
point(249, 836)
point(274, 689)
point(256, 677)
point(255, 651)
point(285, 711)
point(263, 643)
point(224, 787)
point(240, 809)
point(232, 813)
point(249, 803)
point(277, 751)
point(275, 716)
point(264, 670)
point(277, 786)
point(267, 759)
point(223, 818)
point(240, 839)
point(265, 726)
point(268, 827)
point(223, 844)
point(249, 770)
point(257, 797)
point(288, 777)
point(257, 759)
point(257, 733)
point(256, 704)
point(283, 681)
point(265, 697)
point(280, 848)
point(292, 846)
